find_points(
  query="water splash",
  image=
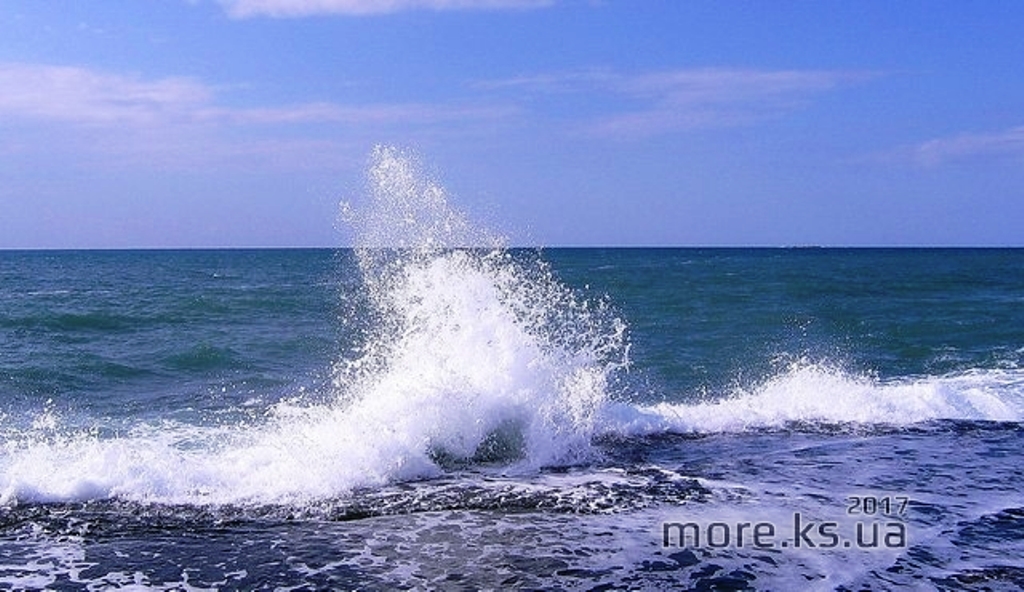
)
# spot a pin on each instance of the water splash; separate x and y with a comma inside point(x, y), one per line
point(466, 355)
point(482, 354)
point(405, 208)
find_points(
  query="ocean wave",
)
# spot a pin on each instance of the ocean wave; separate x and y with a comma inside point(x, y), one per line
point(473, 356)
point(818, 393)
point(466, 357)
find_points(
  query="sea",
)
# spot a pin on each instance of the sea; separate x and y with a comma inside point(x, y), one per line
point(433, 409)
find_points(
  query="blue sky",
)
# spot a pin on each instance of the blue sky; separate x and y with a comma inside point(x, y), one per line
point(198, 123)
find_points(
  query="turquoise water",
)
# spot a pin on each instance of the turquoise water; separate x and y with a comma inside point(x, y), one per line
point(703, 317)
point(105, 329)
point(127, 332)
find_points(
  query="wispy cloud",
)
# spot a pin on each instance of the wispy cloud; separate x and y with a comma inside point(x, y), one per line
point(88, 97)
point(306, 8)
point(998, 144)
point(143, 118)
point(365, 115)
point(83, 96)
point(675, 100)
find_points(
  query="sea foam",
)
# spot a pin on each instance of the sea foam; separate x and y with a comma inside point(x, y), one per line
point(821, 393)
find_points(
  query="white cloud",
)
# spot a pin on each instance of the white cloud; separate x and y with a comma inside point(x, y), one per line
point(364, 115)
point(667, 101)
point(999, 144)
point(724, 86)
point(304, 8)
point(87, 97)
point(83, 96)
point(177, 121)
